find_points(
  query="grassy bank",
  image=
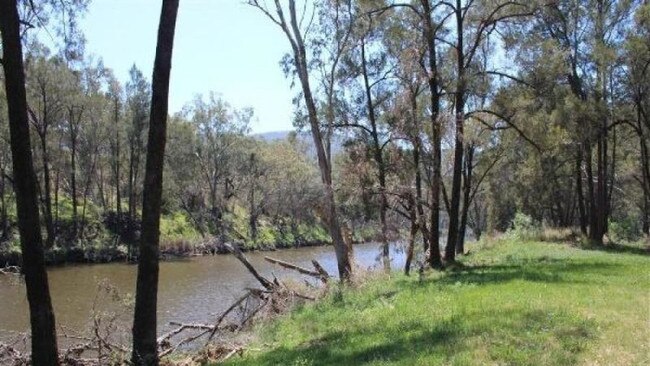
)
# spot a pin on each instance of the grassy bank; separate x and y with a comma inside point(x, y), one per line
point(514, 303)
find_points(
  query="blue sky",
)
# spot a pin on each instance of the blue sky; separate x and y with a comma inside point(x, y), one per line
point(224, 46)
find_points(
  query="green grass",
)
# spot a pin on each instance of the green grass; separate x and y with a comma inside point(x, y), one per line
point(506, 304)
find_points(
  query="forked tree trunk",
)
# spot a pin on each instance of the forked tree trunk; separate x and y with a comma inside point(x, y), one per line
point(145, 346)
point(44, 347)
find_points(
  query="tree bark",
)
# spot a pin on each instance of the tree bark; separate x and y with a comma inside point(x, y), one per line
point(580, 195)
point(73, 167)
point(467, 188)
point(434, 257)
point(452, 232)
point(145, 346)
point(44, 346)
point(412, 234)
point(379, 160)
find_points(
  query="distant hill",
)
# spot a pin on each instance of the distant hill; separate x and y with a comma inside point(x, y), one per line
point(273, 135)
point(305, 136)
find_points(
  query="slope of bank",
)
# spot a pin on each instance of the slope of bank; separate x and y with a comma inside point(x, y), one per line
point(510, 302)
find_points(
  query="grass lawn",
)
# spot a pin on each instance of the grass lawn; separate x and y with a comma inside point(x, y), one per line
point(509, 303)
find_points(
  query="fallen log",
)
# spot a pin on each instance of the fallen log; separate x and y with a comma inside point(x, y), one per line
point(288, 265)
point(234, 249)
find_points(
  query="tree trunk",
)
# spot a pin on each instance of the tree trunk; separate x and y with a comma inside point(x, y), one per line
point(379, 160)
point(300, 60)
point(579, 193)
point(116, 165)
point(44, 347)
point(73, 170)
point(418, 192)
point(47, 187)
point(452, 233)
point(145, 347)
point(467, 188)
point(4, 221)
point(412, 233)
point(434, 257)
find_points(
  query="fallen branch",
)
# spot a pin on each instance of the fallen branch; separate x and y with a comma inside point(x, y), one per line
point(225, 313)
point(234, 249)
point(288, 265)
point(324, 275)
point(231, 353)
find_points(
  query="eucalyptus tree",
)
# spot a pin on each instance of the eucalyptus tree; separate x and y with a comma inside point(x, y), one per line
point(579, 44)
point(637, 59)
point(44, 345)
point(369, 71)
point(297, 34)
point(219, 127)
point(474, 22)
point(138, 99)
point(94, 133)
point(145, 345)
point(49, 85)
point(115, 94)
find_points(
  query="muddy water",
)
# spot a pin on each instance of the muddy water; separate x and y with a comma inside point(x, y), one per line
point(191, 290)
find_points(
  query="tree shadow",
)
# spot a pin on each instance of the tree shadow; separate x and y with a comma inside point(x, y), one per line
point(542, 269)
point(508, 337)
point(620, 248)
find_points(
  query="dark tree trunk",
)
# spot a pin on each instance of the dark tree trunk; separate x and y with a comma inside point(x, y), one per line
point(44, 347)
point(145, 347)
point(580, 195)
point(467, 188)
point(4, 221)
point(452, 233)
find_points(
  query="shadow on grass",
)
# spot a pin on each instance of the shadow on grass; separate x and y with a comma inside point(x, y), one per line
point(543, 269)
point(636, 248)
point(504, 337)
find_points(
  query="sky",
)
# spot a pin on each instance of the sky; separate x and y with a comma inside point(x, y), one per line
point(223, 46)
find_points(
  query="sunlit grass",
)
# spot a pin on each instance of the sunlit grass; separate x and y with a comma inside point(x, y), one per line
point(507, 303)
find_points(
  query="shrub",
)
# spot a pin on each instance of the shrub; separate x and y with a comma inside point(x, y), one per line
point(625, 230)
point(524, 228)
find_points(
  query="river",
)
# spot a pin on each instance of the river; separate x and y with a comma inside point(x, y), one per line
point(191, 289)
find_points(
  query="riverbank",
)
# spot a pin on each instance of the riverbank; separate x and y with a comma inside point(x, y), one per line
point(508, 302)
point(170, 250)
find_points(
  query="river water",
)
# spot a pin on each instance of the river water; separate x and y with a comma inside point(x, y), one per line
point(191, 289)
